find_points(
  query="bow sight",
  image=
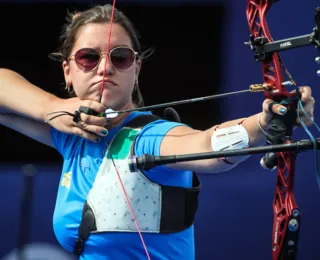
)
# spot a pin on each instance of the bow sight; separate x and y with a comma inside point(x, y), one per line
point(263, 49)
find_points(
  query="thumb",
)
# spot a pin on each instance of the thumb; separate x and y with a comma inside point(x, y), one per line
point(270, 106)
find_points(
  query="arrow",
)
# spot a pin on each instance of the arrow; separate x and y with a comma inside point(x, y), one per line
point(253, 88)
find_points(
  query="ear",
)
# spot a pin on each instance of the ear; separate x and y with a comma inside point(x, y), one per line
point(66, 71)
point(138, 67)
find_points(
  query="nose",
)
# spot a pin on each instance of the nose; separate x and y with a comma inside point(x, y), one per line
point(105, 65)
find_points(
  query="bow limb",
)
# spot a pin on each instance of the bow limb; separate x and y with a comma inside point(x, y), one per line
point(286, 214)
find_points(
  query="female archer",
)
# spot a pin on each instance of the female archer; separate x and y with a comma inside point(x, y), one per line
point(109, 211)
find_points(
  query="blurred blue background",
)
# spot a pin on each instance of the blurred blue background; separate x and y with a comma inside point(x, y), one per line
point(234, 219)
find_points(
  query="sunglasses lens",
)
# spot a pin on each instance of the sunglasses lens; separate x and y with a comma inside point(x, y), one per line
point(87, 59)
point(122, 58)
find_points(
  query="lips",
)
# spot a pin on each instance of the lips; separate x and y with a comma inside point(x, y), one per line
point(108, 82)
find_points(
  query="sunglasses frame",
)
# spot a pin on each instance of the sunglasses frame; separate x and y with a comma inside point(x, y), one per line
point(101, 54)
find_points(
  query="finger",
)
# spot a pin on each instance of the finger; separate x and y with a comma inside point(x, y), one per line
point(94, 105)
point(308, 107)
point(76, 118)
point(97, 130)
point(93, 120)
point(81, 124)
point(271, 106)
point(86, 135)
point(308, 121)
point(305, 93)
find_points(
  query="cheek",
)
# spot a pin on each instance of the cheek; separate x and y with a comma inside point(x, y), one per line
point(129, 80)
point(79, 80)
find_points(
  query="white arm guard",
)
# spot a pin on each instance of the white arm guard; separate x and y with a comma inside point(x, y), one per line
point(233, 137)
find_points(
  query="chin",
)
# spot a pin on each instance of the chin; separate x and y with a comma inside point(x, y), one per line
point(113, 104)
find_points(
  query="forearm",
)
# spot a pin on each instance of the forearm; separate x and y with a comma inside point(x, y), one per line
point(18, 96)
point(184, 140)
point(36, 130)
point(256, 136)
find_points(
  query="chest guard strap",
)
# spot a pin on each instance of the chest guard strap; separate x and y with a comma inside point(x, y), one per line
point(178, 204)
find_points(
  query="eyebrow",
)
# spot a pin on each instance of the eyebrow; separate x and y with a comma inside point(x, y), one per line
point(114, 46)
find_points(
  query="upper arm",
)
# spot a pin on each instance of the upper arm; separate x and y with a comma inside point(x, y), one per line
point(36, 130)
point(163, 138)
point(185, 140)
point(151, 137)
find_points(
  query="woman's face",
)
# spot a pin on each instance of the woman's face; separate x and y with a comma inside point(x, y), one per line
point(118, 85)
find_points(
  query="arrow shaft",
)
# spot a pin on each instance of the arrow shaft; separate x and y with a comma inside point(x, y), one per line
point(186, 101)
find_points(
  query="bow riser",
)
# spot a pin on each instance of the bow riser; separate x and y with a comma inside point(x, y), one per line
point(286, 220)
point(284, 241)
point(271, 63)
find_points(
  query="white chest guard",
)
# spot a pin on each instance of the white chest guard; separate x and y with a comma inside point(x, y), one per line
point(157, 208)
point(107, 199)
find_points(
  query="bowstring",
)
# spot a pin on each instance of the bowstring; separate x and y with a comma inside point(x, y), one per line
point(118, 174)
point(312, 138)
point(314, 142)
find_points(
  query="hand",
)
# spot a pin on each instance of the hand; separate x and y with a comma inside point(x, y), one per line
point(88, 127)
point(307, 102)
